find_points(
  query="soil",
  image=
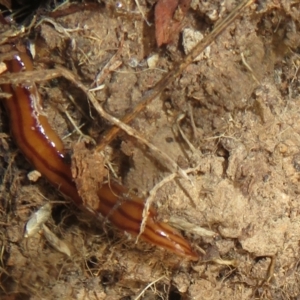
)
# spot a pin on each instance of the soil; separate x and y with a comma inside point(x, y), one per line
point(238, 108)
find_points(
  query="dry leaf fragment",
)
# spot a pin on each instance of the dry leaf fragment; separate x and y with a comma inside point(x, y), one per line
point(55, 242)
point(169, 15)
point(34, 176)
point(37, 219)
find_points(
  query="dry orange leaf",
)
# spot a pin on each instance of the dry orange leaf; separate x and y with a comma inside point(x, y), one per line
point(169, 15)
